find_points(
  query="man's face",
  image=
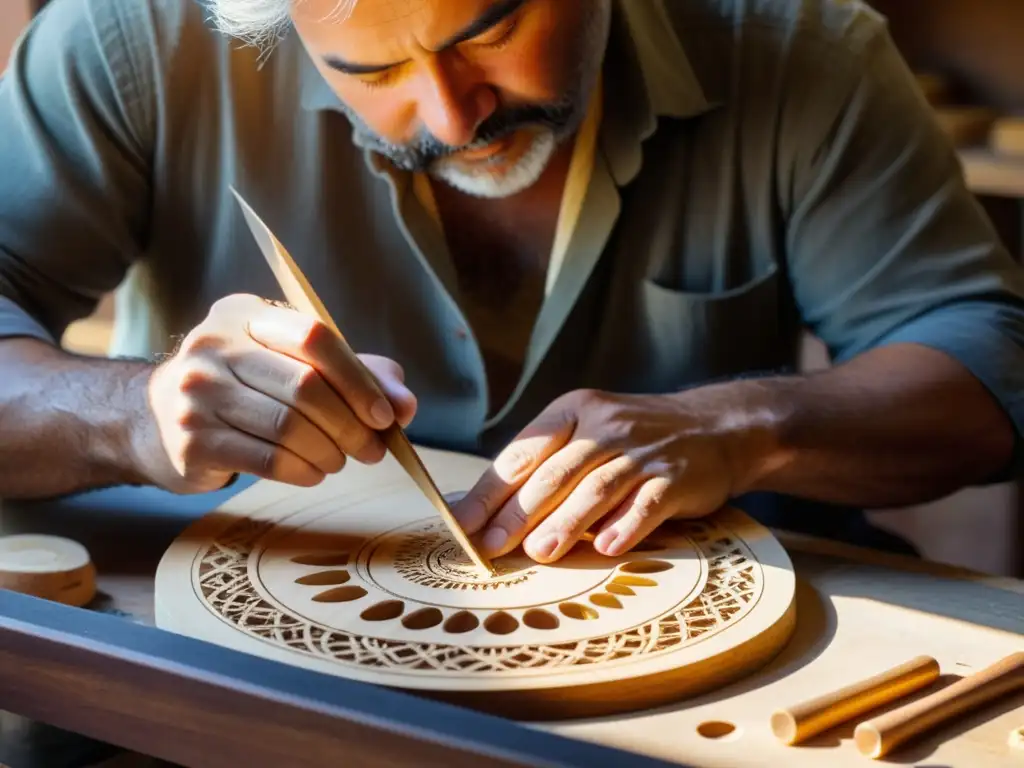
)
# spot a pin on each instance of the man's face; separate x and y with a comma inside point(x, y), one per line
point(477, 93)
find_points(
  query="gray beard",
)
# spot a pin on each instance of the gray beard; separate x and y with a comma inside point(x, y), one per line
point(563, 117)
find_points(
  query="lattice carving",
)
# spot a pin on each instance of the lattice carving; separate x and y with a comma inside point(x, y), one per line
point(733, 586)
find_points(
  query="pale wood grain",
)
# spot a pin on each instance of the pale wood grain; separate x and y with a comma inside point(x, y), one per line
point(880, 736)
point(797, 723)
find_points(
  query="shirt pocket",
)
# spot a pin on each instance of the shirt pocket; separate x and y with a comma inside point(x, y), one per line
point(692, 337)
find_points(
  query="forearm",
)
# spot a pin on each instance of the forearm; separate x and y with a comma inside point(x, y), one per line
point(66, 421)
point(899, 425)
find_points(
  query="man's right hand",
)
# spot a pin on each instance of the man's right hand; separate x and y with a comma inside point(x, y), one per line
point(265, 390)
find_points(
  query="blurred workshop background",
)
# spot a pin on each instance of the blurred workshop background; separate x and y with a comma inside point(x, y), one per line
point(969, 55)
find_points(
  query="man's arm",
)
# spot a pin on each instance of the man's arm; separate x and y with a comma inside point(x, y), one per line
point(75, 123)
point(903, 424)
point(895, 266)
point(67, 423)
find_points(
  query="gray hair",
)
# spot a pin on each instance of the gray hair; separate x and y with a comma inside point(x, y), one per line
point(262, 22)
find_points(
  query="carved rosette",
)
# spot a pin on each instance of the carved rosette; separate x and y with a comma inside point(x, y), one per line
point(409, 601)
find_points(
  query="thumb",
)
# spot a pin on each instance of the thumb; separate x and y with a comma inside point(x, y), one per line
point(391, 378)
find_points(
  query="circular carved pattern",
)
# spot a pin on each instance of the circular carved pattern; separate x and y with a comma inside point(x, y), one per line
point(733, 586)
point(445, 563)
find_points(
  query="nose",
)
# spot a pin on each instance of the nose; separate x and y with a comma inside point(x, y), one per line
point(455, 101)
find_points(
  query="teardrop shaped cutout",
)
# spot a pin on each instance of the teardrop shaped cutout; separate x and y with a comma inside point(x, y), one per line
point(340, 594)
point(389, 609)
point(460, 622)
point(323, 578)
point(645, 566)
point(634, 581)
point(578, 611)
point(605, 601)
point(538, 618)
point(424, 618)
point(619, 589)
point(501, 623)
point(323, 559)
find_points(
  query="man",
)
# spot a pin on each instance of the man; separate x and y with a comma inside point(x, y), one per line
point(582, 237)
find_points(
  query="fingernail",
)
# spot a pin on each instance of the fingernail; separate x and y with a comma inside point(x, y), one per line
point(495, 539)
point(382, 413)
point(546, 547)
point(606, 541)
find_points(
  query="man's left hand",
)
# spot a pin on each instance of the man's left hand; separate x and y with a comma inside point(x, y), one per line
point(619, 465)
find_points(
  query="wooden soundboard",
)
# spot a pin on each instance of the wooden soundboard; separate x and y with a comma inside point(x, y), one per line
point(359, 577)
point(120, 679)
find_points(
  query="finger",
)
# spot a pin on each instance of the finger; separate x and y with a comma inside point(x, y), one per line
point(300, 386)
point(640, 513)
point(391, 379)
point(228, 450)
point(512, 467)
point(541, 494)
point(277, 423)
point(597, 495)
point(312, 342)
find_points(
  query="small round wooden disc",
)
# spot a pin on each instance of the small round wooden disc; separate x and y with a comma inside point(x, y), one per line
point(360, 578)
point(49, 567)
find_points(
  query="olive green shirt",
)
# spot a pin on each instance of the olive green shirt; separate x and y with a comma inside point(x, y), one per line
point(761, 169)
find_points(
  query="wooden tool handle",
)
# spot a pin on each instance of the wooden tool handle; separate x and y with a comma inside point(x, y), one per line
point(795, 724)
point(300, 294)
point(876, 738)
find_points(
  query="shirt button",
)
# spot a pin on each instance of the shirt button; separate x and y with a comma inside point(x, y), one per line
point(460, 333)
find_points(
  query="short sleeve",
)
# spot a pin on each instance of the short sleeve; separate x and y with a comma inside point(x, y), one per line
point(885, 242)
point(74, 150)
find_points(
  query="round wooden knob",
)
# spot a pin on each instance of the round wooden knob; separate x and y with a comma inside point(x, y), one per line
point(49, 567)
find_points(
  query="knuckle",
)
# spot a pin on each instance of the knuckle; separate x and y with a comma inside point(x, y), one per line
point(195, 381)
point(191, 419)
point(581, 398)
point(515, 462)
point(315, 338)
point(552, 479)
point(307, 383)
point(649, 503)
point(201, 340)
point(603, 483)
point(514, 518)
point(282, 421)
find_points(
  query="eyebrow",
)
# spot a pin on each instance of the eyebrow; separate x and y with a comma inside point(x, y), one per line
point(496, 13)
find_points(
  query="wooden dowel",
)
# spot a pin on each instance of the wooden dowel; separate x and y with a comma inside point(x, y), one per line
point(878, 737)
point(793, 725)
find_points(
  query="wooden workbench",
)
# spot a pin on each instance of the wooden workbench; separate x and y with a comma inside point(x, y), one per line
point(858, 612)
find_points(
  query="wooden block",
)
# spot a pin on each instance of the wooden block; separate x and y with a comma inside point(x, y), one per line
point(809, 718)
point(877, 738)
point(1007, 137)
point(49, 567)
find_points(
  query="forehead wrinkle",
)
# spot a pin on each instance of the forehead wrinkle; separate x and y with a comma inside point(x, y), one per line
point(384, 13)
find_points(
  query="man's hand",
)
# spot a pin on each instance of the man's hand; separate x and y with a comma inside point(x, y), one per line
point(265, 390)
point(618, 464)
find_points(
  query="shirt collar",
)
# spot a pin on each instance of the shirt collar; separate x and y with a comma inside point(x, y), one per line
point(648, 76)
